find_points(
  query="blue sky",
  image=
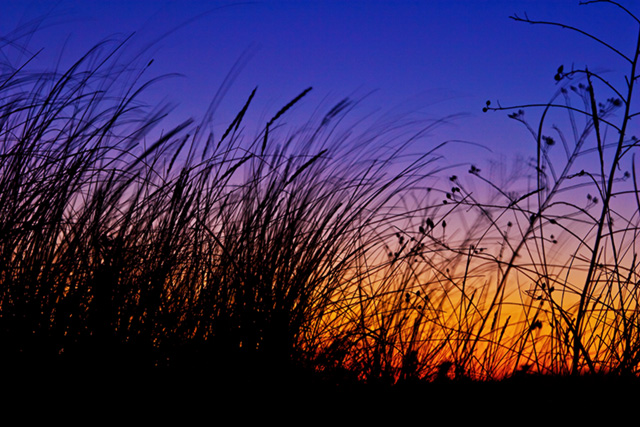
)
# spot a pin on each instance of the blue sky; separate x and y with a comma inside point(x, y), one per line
point(432, 58)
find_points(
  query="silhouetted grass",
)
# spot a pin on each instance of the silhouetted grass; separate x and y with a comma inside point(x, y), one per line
point(315, 253)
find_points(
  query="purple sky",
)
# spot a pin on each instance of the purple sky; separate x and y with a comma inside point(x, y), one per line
point(434, 58)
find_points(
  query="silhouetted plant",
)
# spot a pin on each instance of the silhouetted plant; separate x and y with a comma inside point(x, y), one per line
point(603, 242)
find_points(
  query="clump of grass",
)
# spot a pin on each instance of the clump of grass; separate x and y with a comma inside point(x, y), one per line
point(117, 252)
point(80, 201)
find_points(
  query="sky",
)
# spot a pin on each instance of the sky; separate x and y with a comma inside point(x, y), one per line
point(436, 59)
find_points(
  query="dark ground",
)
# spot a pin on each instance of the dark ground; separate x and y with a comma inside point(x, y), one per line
point(186, 395)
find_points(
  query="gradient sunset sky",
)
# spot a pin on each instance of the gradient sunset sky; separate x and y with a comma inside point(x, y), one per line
point(434, 58)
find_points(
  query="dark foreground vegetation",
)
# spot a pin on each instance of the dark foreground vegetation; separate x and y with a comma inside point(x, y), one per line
point(312, 255)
